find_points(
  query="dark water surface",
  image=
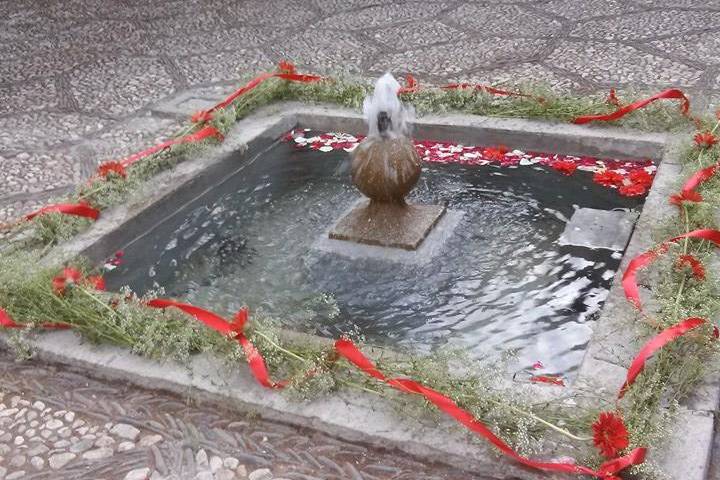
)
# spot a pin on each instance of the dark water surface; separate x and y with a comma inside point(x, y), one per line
point(501, 282)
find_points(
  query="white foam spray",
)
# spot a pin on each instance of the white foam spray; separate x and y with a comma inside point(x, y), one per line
point(385, 99)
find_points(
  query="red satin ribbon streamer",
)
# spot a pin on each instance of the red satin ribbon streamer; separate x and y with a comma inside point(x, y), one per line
point(629, 281)
point(77, 209)
point(549, 379)
point(202, 134)
point(287, 72)
point(350, 352)
point(655, 344)
point(219, 324)
point(700, 177)
point(672, 93)
point(7, 322)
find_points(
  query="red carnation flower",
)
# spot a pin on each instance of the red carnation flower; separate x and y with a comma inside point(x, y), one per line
point(641, 177)
point(201, 116)
point(612, 99)
point(686, 196)
point(697, 268)
point(69, 276)
point(633, 190)
point(705, 139)
point(112, 167)
point(495, 153)
point(608, 178)
point(609, 434)
point(95, 281)
point(565, 167)
point(286, 67)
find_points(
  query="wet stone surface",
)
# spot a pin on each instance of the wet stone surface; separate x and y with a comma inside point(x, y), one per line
point(56, 423)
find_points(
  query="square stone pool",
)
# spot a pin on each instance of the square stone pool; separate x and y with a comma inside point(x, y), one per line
point(503, 271)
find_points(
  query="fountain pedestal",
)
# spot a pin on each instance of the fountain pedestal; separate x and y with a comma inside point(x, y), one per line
point(388, 224)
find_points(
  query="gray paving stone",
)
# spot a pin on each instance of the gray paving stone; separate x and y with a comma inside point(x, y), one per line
point(646, 24)
point(616, 65)
point(504, 20)
point(453, 59)
point(380, 15)
point(120, 85)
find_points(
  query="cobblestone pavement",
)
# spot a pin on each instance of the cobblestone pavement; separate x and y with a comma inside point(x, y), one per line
point(83, 81)
point(57, 424)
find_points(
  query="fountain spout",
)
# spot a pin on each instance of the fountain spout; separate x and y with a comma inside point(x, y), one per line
point(384, 124)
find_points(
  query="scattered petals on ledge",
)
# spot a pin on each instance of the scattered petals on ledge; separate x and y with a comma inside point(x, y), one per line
point(629, 178)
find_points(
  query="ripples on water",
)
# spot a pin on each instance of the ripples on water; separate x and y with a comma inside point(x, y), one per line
point(501, 283)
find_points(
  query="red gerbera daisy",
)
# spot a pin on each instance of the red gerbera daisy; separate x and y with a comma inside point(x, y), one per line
point(112, 167)
point(686, 196)
point(698, 270)
point(495, 153)
point(633, 190)
point(608, 178)
point(609, 434)
point(705, 139)
point(565, 167)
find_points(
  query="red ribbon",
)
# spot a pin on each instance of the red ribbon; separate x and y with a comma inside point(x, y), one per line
point(549, 379)
point(202, 134)
point(7, 322)
point(286, 72)
point(700, 177)
point(629, 281)
point(350, 352)
point(672, 93)
point(77, 209)
point(235, 328)
point(655, 344)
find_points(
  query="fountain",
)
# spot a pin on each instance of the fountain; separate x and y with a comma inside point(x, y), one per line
point(385, 167)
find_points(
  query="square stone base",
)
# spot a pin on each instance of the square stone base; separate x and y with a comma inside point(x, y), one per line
point(388, 225)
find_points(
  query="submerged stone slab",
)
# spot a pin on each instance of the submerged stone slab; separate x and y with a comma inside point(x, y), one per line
point(432, 246)
point(388, 225)
point(592, 228)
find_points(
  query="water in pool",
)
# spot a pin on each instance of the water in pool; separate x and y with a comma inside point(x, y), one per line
point(501, 281)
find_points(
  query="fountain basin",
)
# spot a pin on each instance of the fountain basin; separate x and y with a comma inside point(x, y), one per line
point(499, 279)
point(359, 417)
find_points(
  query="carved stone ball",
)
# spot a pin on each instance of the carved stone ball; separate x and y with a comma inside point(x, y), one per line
point(386, 169)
